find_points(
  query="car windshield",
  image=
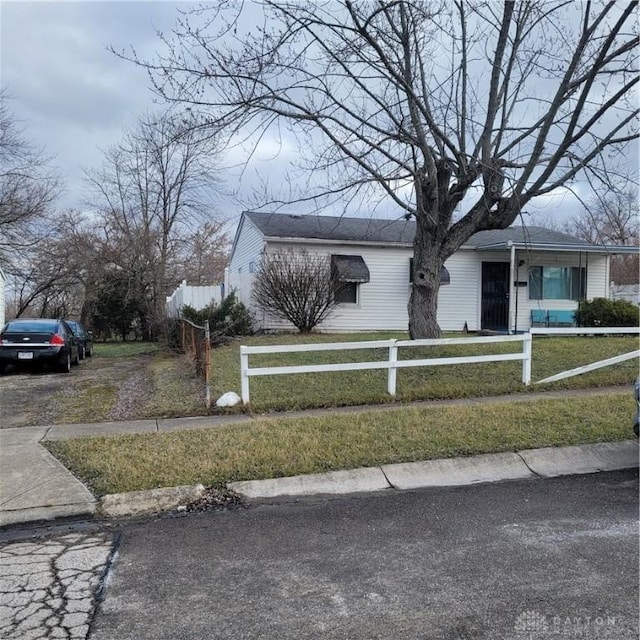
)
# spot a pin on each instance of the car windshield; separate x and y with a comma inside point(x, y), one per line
point(31, 326)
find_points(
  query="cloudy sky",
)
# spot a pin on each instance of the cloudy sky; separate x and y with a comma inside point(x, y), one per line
point(75, 97)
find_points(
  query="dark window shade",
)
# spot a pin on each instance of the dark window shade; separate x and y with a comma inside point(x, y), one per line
point(346, 293)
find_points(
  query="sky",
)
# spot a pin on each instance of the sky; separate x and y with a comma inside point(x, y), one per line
point(74, 97)
point(71, 94)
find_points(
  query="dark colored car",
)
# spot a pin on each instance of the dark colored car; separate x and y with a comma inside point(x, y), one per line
point(84, 337)
point(30, 341)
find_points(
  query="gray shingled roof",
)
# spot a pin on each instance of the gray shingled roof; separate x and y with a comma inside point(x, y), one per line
point(282, 225)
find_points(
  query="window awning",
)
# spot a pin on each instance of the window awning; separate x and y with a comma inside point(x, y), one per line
point(349, 269)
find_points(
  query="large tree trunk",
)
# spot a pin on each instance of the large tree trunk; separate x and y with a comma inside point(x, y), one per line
point(423, 303)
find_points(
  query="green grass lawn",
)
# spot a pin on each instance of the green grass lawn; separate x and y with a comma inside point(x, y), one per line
point(268, 448)
point(123, 349)
point(300, 391)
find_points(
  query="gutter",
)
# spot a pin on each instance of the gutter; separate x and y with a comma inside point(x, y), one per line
point(532, 246)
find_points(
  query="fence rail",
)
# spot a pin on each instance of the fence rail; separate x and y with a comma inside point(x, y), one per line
point(392, 364)
point(596, 331)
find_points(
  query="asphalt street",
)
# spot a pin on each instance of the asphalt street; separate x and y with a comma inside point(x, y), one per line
point(530, 560)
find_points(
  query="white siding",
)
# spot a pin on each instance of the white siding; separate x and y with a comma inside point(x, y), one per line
point(245, 258)
point(459, 302)
point(382, 302)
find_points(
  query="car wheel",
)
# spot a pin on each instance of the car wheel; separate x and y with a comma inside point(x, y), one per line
point(65, 365)
point(89, 352)
point(82, 353)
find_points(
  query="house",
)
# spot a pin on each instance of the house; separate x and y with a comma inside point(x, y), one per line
point(3, 283)
point(493, 282)
point(196, 296)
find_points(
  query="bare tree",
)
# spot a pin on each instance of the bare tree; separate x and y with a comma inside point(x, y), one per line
point(155, 188)
point(296, 286)
point(28, 188)
point(48, 277)
point(612, 217)
point(457, 113)
point(202, 255)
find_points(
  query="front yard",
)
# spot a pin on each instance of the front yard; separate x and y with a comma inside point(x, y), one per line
point(279, 446)
point(304, 391)
point(269, 448)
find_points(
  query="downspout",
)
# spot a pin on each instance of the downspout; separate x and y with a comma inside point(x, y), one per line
point(512, 322)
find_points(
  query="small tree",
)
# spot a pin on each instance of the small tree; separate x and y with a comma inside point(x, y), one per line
point(295, 286)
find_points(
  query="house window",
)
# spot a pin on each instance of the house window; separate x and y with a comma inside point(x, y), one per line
point(557, 283)
point(346, 293)
point(347, 273)
point(252, 267)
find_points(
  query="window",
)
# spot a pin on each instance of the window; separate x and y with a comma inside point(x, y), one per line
point(346, 293)
point(347, 273)
point(557, 283)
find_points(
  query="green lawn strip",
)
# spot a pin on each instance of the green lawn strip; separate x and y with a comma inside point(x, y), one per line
point(123, 349)
point(271, 448)
point(86, 401)
point(300, 391)
point(177, 391)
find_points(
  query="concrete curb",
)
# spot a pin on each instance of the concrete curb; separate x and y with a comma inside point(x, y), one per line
point(450, 472)
point(590, 458)
point(491, 467)
point(151, 501)
point(334, 482)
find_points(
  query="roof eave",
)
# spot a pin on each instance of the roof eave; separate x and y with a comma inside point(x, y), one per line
point(541, 246)
point(371, 243)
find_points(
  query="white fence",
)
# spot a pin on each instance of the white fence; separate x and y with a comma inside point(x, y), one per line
point(392, 364)
point(197, 297)
point(591, 331)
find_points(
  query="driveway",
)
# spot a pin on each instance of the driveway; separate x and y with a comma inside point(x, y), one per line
point(37, 398)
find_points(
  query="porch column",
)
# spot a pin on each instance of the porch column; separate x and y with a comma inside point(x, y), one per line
point(512, 289)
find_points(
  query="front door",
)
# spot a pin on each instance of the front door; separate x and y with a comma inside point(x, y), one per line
point(495, 296)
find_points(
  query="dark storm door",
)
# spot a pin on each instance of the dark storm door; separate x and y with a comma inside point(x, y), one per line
point(495, 296)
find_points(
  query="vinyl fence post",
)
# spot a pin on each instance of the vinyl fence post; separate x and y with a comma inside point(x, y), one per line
point(527, 344)
point(244, 376)
point(391, 376)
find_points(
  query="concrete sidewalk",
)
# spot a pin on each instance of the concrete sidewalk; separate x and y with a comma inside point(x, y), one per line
point(35, 486)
